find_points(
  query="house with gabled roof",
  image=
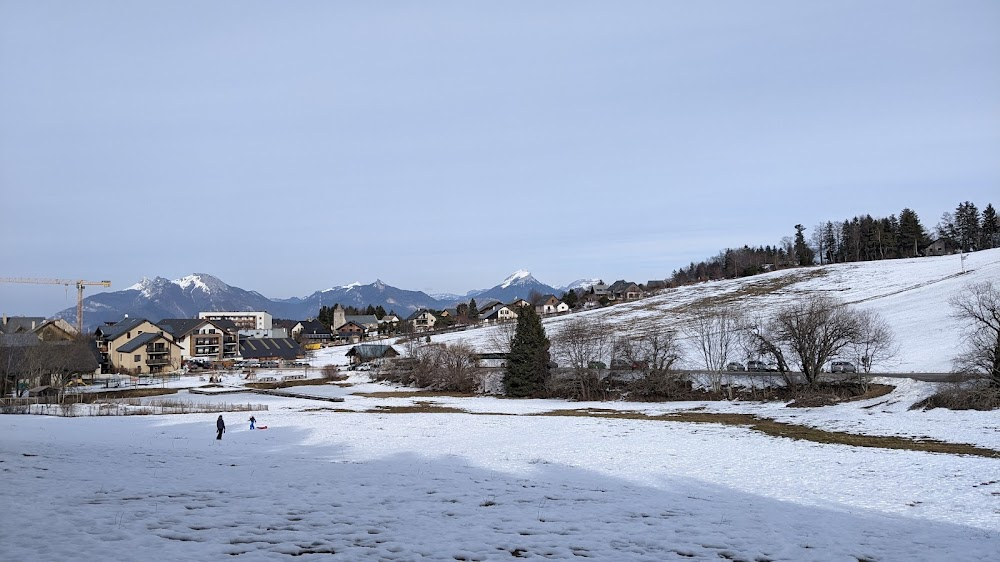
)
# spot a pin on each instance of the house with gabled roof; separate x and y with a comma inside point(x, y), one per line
point(351, 332)
point(497, 314)
point(112, 336)
point(311, 330)
point(215, 340)
point(622, 290)
point(367, 321)
point(366, 352)
point(20, 324)
point(422, 320)
point(549, 304)
point(148, 352)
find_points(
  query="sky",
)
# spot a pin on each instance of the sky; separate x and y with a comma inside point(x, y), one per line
point(449, 144)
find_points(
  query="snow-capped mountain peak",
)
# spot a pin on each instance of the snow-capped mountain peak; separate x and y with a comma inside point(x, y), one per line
point(518, 276)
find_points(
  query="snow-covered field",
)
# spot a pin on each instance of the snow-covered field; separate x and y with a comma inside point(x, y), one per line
point(487, 480)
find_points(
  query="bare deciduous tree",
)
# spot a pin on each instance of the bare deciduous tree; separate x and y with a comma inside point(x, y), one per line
point(653, 352)
point(714, 333)
point(500, 337)
point(979, 307)
point(875, 341)
point(580, 345)
point(812, 330)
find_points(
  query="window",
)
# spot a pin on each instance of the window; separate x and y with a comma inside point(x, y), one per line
point(138, 358)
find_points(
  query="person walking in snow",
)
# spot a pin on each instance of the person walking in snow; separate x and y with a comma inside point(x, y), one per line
point(221, 426)
point(253, 420)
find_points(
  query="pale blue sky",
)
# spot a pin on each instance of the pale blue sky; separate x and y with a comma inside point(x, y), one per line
point(287, 147)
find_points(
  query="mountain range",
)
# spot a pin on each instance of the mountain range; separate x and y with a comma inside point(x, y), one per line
point(160, 298)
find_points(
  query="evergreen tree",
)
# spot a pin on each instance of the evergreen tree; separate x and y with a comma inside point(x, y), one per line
point(570, 298)
point(370, 311)
point(967, 227)
point(912, 237)
point(990, 232)
point(473, 310)
point(379, 312)
point(803, 253)
point(528, 360)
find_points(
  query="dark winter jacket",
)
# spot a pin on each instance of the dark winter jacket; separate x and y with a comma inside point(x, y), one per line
point(221, 425)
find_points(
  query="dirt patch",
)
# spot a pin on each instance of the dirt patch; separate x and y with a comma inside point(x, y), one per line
point(792, 431)
point(830, 394)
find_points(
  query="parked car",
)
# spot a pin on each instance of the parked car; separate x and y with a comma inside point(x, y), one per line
point(843, 367)
point(735, 366)
point(757, 366)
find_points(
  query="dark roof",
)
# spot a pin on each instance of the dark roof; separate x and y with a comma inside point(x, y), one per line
point(19, 340)
point(227, 325)
point(53, 357)
point(416, 314)
point(141, 340)
point(119, 328)
point(361, 319)
point(21, 324)
point(351, 323)
point(286, 324)
point(372, 351)
point(314, 327)
point(180, 327)
point(259, 348)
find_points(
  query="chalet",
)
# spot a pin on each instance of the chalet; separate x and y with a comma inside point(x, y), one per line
point(371, 352)
point(518, 303)
point(351, 332)
point(941, 247)
point(215, 340)
point(422, 320)
point(368, 322)
point(549, 304)
point(112, 337)
point(498, 314)
point(311, 330)
point(148, 352)
point(622, 290)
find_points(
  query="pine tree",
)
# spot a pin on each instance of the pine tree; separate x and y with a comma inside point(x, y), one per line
point(528, 360)
point(570, 298)
point(803, 253)
point(990, 232)
point(912, 236)
point(473, 310)
point(967, 226)
point(379, 312)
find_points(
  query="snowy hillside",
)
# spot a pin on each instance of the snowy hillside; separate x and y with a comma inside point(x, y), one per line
point(911, 294)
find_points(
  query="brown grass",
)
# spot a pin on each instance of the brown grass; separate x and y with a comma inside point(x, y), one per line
point(421, 407)
point(414, 394)
point(775, 428)
point(286, 384)
point(91, 397)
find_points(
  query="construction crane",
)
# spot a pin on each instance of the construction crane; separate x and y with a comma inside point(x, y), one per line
point(80, 284)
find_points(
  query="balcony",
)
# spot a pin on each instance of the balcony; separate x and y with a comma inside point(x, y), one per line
point(158, 360)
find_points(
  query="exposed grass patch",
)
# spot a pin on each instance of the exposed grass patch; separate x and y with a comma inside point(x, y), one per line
point(420, 407)
point(91, 397)
point(755, 287)
point(286, 384)
point(415, 394)
point(792, 431)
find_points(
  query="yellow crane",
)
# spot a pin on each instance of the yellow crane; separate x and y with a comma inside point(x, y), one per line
point(80, 284)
